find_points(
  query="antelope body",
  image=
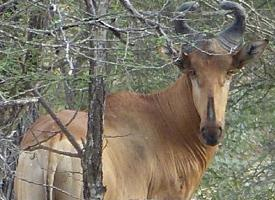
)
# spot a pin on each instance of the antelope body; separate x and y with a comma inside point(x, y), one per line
point(156, 146)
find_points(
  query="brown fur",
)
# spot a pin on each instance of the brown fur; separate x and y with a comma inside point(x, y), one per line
point(152, 150)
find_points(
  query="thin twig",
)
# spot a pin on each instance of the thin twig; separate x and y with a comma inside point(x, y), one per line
point(65, 153)
point(66, 132)
point(130, 8)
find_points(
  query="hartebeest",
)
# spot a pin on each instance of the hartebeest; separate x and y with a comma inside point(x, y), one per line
point(158, 145)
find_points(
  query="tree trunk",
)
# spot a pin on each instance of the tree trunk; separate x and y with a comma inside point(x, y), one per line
point(92, 158)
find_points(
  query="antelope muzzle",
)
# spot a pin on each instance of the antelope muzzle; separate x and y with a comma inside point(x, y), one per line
point(211, 131)
point(211, 134)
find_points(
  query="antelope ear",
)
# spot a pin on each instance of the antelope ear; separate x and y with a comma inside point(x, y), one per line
point(250, 52)
point(181, 60)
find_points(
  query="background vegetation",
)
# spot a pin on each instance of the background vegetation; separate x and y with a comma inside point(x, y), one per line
point(46, 44)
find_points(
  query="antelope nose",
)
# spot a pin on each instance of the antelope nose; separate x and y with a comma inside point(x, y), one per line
point(211, 135)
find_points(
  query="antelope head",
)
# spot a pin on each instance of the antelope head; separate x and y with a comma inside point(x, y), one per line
point(210, 64)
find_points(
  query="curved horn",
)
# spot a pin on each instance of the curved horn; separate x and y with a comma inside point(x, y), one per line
point(232, 36)
point(180, 23)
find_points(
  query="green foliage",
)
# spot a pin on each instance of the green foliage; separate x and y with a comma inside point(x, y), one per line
point(37, 54)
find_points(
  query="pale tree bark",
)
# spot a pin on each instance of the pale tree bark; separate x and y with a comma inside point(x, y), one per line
point(92, 158)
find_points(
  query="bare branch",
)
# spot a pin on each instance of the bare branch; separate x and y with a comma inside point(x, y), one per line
point(18, 102)
point(75, 155)
point(130, 8)
point(66, 132)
